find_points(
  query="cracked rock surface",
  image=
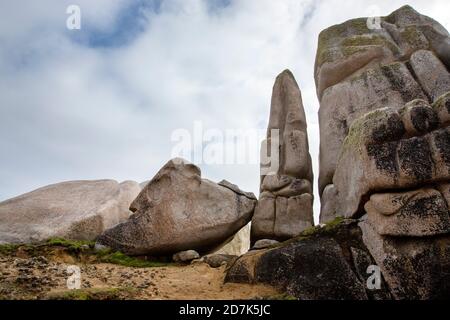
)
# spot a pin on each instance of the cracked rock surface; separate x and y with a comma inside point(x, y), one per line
point(359, 71)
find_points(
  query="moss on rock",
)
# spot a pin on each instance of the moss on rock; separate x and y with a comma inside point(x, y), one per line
point(332, 36)
point(71, 245)
point(7, 249)
point(442, 103)
point(116, 257)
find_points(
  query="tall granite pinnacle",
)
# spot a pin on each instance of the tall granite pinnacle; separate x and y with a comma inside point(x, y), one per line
point(285, 205)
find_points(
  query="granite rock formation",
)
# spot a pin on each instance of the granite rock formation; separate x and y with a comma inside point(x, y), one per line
point(360, 70)
point(284, 208)
point(322, 264)
point(78, 210)
point(178, 211)
point(393, 167)
point(338, 261)
point(384, 167)
point(384, 182)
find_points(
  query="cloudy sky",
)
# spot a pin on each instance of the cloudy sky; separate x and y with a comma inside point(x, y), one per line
point(104, 101)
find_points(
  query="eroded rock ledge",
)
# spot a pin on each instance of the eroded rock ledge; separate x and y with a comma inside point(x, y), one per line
point(331, 263)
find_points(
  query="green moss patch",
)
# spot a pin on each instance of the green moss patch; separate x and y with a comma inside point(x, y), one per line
point(330, 227)
point(82, 251)
point(331, 37)
point(116, 257)
point(442, 103)
point(370, 40)
point(7, 249)
point(71, 245)
point(414, 37)
point(94, 294)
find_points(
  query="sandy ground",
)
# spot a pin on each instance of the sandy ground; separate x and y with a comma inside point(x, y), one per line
point(46, 278)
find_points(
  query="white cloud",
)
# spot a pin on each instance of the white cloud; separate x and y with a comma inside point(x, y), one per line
point(69, 111)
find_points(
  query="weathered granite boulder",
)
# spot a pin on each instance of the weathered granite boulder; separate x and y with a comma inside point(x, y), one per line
point(359, 70)
point(264, 243)
point(339, 262)
point(218, 260)
point(417, 213)
point(414, 268)
point(431, 73)
point(327, 263)
point(391, 149)
point(284, 208)
point(78, 210)
point(178, 210)
point(185, 256)
point(385, 144)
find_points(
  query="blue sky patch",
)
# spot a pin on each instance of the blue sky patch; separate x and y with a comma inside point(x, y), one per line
point(129, 23)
